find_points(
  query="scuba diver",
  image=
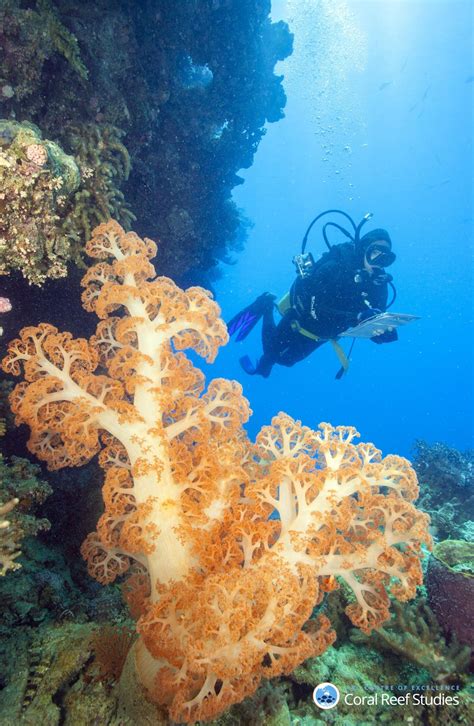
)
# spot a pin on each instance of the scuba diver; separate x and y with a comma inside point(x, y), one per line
point(345, 287)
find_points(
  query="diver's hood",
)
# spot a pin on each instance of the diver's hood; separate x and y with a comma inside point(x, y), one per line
point(374, 236)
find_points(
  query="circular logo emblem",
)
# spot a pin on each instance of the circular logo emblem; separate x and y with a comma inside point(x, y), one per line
point(326, 695)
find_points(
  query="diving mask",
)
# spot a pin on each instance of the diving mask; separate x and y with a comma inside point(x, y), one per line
point(378, 254)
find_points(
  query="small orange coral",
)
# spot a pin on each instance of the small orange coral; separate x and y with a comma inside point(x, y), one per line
point(222, 592)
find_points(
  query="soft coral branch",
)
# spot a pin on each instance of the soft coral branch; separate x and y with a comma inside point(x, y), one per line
point(224, 592)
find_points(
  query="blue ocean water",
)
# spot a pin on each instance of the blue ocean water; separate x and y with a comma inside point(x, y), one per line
point(379, 118)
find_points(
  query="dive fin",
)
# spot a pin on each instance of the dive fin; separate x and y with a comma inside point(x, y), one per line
point(245, 321)
point(247, 365)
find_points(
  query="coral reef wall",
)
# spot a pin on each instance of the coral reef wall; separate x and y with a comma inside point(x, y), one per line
point(215, 93)
point(190, 83)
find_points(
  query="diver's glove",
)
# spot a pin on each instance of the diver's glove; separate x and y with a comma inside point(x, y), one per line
point(389, 336)
point(368, 313)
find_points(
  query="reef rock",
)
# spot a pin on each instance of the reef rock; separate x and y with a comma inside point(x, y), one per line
point(450, 585)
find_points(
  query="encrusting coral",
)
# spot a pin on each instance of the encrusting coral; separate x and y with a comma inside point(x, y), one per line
point(223, 592)
point(37, 180)
point(50, 201)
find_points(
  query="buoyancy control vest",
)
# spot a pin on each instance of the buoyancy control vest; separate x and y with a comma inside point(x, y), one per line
point(328, 301)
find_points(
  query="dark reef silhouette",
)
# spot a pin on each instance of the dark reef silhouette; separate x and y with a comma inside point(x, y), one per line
point(78, 70)
point(187, 140)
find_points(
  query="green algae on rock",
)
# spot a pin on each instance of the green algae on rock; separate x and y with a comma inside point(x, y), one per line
point(362, 673)
point(45, 689)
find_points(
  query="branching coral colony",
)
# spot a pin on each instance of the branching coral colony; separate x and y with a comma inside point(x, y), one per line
point(223, 593)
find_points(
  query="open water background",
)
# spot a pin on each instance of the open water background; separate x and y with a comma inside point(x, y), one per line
point(379, 118)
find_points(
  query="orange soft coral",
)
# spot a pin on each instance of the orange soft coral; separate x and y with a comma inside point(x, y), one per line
point(223, 594)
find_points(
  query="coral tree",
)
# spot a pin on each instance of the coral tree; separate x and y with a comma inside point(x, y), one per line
point(223, 592)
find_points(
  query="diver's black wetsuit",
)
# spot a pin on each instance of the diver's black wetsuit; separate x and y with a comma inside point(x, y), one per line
point(325, 304)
